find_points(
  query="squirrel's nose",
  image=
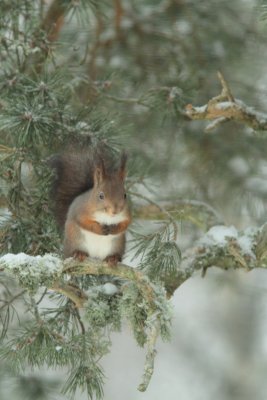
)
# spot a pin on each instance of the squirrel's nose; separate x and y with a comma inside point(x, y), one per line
point(112, 211)
point(116, 209)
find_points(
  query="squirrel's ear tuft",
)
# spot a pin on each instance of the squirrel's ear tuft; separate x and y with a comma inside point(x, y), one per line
point(99, 172)
point(122, 169)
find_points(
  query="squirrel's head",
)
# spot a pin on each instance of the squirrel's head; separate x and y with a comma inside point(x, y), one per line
point(109, 191)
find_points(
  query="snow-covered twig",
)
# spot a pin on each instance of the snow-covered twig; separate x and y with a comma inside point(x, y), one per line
point(225, 107)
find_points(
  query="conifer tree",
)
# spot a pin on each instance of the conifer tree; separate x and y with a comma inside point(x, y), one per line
point(120, 74)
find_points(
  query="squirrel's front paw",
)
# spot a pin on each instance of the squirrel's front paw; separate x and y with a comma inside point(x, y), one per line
point(105, 229)
point(109, 229)
point(80, 255)
point(113, 260)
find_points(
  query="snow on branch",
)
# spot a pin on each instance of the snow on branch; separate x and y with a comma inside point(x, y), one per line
point(225, 107)
point(32, 272)
point(54, 273)
point(222, 246)
point(49, 270)
point(226, 248)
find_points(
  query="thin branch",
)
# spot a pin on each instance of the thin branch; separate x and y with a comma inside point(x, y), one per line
point(42, 297)
point(188, 210)
point(77, 313)
point(92, 69)
point(50, 26)
point(160, 208)
point(35, 309)
point(54, 19)
point(143, 99)
point(118, 11)
point(150, 357)
point(225, 107)
point(10, 301)
point(129, 100)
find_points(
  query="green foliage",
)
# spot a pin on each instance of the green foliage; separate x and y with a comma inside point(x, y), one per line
point(39, 344)
point(159, 256)
point(88, 378)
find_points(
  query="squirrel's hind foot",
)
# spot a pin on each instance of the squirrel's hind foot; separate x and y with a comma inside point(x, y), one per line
point(113, 260)
point(80, 255)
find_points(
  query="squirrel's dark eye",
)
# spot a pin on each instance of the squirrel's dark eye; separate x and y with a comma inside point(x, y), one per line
point(101, 196)
point(125, 195)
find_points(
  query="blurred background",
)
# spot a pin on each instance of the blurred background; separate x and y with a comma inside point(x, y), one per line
point(139, 63)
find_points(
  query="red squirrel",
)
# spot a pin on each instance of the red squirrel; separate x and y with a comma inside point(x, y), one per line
point(91, 204)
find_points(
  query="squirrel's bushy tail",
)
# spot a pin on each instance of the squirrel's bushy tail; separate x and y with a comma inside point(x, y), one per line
point(73, 176)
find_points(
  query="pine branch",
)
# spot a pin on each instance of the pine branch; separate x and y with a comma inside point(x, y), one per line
point(95, 267)
point(222, 247)
point(225, 107)
point(151, 298)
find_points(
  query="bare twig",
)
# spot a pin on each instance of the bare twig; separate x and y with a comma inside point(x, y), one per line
point(10, 301)
point(226, 92)
point(54, 19)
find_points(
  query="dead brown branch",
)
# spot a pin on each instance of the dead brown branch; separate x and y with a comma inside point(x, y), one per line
point(225, 107)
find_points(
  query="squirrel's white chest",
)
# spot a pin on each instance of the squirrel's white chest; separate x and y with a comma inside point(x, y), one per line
point(98, 246)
